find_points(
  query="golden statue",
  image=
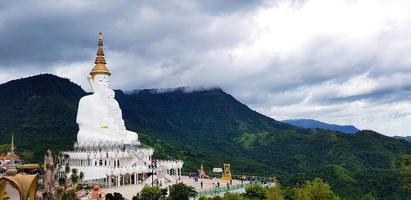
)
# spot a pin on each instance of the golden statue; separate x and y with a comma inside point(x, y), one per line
point(227, 172)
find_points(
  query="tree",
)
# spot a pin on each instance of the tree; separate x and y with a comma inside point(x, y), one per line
point(255, 191)
point(27, 156)
point(74, 177)
point(180, 191)
point(81, 176)
point(274, 193)
point(109, 196)
point(69, 195)
point(315, 190)
point(289, 193)
point(369, 196)
point(62, 181)
point(67, 168)
point(404, 164)
point(114, 196)
point(150, 193)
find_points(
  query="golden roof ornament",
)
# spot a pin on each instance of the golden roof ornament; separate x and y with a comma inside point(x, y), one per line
point(100, 67)
point(12, 148)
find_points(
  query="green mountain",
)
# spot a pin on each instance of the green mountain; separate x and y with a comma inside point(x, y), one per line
point(210, 127)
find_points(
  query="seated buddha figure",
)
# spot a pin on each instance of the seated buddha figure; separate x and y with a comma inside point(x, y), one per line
point(99, 115)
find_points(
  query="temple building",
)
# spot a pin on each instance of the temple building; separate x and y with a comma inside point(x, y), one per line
point(106, 152)
point(10, 157)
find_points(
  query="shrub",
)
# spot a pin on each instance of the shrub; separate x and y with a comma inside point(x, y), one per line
point(232, 196)
point(255, 191)
point(369, 196)
point(274, 193)
point(115, 196)
point(180, 191)
point(315, 190)
point(150, 193)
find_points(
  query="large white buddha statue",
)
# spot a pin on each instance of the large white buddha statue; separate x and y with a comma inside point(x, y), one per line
point(99, 115)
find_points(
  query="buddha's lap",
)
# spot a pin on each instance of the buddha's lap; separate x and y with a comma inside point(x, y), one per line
point(107, 135)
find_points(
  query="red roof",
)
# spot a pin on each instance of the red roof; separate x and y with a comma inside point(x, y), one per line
point(9, 157)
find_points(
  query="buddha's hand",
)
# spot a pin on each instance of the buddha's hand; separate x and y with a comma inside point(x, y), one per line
point(104, 126)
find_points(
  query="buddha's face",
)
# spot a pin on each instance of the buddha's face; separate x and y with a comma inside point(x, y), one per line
point(100, 82)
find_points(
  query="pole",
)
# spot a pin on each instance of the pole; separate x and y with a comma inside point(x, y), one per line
point(152, 173)
point(152, 177)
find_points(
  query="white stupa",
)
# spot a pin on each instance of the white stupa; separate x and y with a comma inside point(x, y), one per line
point(106, 152)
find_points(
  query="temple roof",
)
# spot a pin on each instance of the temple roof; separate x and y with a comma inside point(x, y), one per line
point(9, 157)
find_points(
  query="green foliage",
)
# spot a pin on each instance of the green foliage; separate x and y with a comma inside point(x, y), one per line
point(62, 181)
point(289, 193)
point(70, 195)
point(74, 177)
point(67, 168)
point(180, 191)
point(81, 175)
point(27, 156)
point(255, 191)
point(115, 196)
point(4, 148)
point(315, 190)
point(274, 193)
point(151, 193)
point(232, 196)
point(369, 196)
point(404, 164)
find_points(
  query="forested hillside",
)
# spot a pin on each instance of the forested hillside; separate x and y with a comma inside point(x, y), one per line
point(210, 127)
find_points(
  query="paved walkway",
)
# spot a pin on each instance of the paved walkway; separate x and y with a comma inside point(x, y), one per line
point(129, 191)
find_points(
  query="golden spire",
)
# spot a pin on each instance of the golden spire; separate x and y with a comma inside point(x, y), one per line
point(100, 67)
point(12, 148)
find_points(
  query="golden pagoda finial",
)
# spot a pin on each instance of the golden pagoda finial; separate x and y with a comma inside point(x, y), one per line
point(100, 67)
point(12, 148)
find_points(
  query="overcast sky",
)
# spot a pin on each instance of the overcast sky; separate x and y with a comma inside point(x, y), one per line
point(344, 62)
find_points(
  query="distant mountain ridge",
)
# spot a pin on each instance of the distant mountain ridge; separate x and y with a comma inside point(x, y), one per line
point(210, 127)
point(406, 138)
point(311, 123)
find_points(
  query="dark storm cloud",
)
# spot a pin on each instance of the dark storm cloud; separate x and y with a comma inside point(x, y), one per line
point(37, 34)
point(43, 32)
point(284, 58)
point(380, 96)
point(224, 7)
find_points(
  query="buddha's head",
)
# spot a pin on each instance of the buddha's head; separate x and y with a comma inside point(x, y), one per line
point(100, 83)
point(99, 75)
